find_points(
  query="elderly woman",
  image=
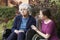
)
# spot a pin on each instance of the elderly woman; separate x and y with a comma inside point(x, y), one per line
point(22, 23)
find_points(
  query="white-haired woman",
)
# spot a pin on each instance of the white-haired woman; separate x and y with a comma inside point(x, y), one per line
point(22, 23)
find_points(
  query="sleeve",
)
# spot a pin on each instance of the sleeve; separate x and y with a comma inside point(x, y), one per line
point(50, 28)
point(34, 22)
point(14, 24)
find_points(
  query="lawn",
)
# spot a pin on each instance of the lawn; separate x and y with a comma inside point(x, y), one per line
point(1, 29)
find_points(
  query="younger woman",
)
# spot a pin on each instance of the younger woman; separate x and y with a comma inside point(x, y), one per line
point(48, 29)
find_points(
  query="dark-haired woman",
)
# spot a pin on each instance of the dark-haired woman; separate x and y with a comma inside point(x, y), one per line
point(48, 29)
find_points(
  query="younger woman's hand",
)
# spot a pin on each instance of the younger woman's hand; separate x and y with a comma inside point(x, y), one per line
point(34, 28)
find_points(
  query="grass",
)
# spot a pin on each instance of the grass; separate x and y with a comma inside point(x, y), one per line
point(9, 25)
point(1, 29)
point(0, 36)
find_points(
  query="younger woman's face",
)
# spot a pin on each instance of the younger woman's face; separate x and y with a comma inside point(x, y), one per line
point(41, 16)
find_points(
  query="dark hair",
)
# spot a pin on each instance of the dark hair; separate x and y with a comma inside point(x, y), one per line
point(46, 12)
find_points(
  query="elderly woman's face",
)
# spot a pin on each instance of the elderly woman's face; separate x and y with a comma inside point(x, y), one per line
point(24, 11)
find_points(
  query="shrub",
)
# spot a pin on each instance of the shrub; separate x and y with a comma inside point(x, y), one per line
point(7, 13)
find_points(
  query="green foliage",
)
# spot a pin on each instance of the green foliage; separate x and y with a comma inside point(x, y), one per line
point(7, 12)
point(10, 24)
point(57, 17)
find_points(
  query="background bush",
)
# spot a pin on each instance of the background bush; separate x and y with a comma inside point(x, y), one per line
point(7, 13)
point(57, 17)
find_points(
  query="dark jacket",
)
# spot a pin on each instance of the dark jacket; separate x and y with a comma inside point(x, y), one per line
point(18, 20)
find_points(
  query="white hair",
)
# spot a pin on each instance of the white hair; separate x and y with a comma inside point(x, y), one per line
point(25, 5)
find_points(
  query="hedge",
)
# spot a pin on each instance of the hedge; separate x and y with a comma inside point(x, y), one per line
point(7, 12)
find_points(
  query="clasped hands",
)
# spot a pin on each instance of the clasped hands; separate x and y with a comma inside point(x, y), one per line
point(18, 31)
point(32, 26)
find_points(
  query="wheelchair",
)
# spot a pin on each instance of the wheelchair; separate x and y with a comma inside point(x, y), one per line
point(6, 33)
point(30, 35)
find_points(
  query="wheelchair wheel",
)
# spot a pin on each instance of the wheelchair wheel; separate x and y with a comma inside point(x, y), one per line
point(36, 37)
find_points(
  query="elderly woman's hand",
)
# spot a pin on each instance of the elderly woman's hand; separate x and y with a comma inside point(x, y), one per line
point(34, 28)
point(16, 31)
point(21, 30)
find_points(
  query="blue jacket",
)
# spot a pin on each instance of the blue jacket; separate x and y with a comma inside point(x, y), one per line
point(18, 20)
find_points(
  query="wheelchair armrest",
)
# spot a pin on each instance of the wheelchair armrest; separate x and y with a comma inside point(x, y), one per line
point(6, 33)
point(29, 34)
